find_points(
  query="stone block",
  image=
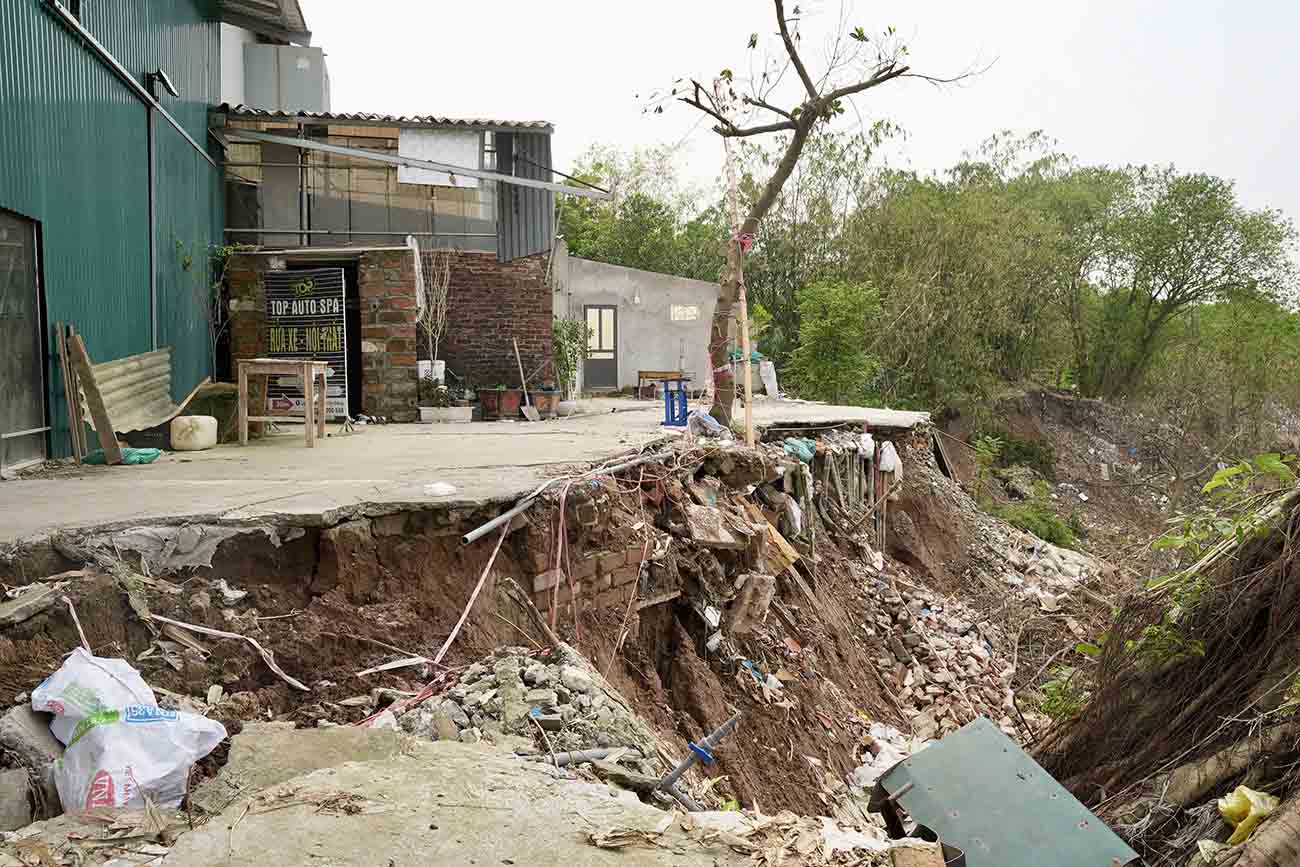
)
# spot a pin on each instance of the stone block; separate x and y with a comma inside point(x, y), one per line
point(624, 575)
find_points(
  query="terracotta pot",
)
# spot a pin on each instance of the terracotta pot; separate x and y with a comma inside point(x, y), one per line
point(546, 402)
point(511, 399)
point(490, 399)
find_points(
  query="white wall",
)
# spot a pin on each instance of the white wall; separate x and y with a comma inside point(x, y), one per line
point(648, 338)
point(233, 40)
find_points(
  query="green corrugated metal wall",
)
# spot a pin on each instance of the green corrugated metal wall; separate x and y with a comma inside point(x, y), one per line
point(74, 157)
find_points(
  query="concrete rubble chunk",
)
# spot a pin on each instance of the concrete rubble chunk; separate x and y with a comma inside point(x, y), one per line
point(15, 799)
point(551, 722)
point(514, 710)
point(546, 699)
point(25, 735)
point(28, 604)
point(576, 679)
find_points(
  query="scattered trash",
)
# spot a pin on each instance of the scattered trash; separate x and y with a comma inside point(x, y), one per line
point(229, 594)
point(704, 425)
point(129, 456)
point(803, 449)
point(267, 656)
point(439, 489)
point(1244, 809)
point(889, 460)
point(1083, 496)
point(86, 685)
point(129, 756)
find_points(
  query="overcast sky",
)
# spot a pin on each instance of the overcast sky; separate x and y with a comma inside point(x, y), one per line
point(1204, 84)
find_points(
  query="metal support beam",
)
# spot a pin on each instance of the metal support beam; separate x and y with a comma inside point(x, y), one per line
point(69, 21)
point(361, 154)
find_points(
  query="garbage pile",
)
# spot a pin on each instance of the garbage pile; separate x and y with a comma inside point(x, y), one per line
point(941, 661)
point(112, 746)
point(553, 696)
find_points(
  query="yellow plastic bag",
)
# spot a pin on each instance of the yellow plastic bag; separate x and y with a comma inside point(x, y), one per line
point(1244, 809)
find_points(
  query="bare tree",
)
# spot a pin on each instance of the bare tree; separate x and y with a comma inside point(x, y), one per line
point(432, 316)
point(856, 62)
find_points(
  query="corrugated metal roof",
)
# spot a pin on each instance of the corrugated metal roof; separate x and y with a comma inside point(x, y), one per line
point(274, 18)
point(244, 111)
point(137, 390)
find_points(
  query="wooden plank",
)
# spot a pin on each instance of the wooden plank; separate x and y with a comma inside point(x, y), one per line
point(66, 373)
point(94, 401)
point(78, 413)
point(780, 553)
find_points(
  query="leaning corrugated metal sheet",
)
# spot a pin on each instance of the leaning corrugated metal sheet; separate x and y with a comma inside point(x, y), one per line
point(137, 391)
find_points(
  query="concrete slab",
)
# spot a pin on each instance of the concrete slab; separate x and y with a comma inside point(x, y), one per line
point(387, 466)
point(438, 803)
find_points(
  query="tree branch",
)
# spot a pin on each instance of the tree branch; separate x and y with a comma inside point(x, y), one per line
point(758, 103)
point(890, 72)
point(794, 52)
point(733, 131)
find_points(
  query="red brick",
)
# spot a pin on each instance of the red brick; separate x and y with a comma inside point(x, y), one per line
point(610, 561)
point(625, 575)
point(616, 598)
point(585, 567)
point(547, 580)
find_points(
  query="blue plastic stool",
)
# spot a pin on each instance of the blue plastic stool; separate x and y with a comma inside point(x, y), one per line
point(676, 402)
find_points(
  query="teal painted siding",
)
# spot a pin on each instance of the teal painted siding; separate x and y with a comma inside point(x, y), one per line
point(74, 156)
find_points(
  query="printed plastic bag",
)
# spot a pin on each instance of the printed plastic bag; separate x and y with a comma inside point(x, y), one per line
point(890, 462)
point(85, 685)
point(1244, 809)
point(117, 756)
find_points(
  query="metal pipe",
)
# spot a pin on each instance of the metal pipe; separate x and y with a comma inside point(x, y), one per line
point(522, 505)
point(710, 743)
point(579, 756)
point(362, 232)
point(361, 153)
point(69, 21)
point(24, 433)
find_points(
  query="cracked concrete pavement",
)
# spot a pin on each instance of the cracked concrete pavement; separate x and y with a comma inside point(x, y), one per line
point(383, 467)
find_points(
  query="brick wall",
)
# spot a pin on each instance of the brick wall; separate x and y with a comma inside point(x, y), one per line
point(389, 377)
point(386, 288)
point(489, 302)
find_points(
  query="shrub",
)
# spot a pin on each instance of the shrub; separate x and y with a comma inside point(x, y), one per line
point(1035, 516)
point(1039, 455)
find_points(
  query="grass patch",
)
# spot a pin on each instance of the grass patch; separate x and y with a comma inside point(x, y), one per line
point(1037, 454)
point(1035, 516)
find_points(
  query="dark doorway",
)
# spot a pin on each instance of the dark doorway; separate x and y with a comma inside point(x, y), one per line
point(600, 371)
point(22, 342)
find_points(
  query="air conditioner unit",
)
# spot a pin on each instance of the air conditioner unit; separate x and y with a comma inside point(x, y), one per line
point(286, 78)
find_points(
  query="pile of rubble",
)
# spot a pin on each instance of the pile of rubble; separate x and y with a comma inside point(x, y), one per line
point(553, 696)
point(942, 662)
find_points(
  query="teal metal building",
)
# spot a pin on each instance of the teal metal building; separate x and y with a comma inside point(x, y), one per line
point(110, 195)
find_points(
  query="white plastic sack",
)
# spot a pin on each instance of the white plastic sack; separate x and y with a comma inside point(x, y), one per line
point(85, 685)
point(890, 462)
point(867, 447)
point(767, 373)
point(116, 756)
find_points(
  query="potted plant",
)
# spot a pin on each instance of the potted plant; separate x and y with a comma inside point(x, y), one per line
point(440, 408)
point(569, 346)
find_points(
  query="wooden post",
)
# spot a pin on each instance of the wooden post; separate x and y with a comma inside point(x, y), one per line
point(324, 402)
point(309, 399)
point(243, 403)
point(95, 401)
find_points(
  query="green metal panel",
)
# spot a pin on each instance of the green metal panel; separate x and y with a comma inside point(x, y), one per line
point(980, 792)
point(74, 157)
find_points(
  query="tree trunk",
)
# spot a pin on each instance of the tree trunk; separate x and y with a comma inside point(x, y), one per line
point(724, 380)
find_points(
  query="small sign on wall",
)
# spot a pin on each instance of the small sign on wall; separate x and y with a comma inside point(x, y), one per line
point(306, 318)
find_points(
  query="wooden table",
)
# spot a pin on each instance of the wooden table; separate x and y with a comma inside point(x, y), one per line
point(308, 371)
